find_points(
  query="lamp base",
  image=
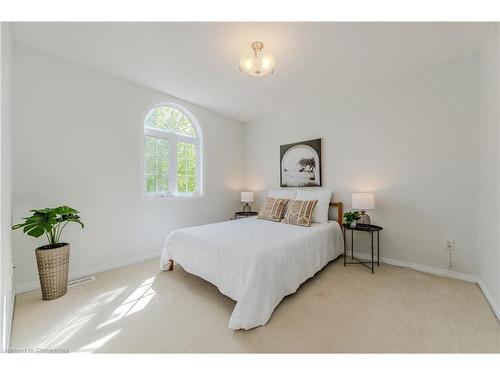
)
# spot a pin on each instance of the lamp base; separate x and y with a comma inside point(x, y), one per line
point(364, 219)
point(246, 208)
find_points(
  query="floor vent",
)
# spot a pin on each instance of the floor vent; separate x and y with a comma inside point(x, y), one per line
point(80, 281)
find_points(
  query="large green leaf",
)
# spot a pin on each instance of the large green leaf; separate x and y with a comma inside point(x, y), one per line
point(36, 232)
point(28, 227)
point(67, 217)
point(42, 210)
point(64, 210)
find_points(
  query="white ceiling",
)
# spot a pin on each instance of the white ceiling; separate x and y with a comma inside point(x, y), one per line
point(198, 62)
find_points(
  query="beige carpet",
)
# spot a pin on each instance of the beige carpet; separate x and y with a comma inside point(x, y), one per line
point(140, 309)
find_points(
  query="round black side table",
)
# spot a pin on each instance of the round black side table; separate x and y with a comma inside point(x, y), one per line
point(369, 228)
point(241, 214)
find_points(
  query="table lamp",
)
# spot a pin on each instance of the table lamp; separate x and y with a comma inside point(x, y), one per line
point(247, 197)
point(363, 202)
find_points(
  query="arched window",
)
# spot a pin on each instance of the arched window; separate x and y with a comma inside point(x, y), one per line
point(172, 152)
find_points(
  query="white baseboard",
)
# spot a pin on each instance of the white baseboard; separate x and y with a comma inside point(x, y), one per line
point(489, 298)
point(439, 272)
point(33, 285)
point(421, 268)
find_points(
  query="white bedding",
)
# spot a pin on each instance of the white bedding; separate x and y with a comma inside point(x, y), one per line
point(254, 262)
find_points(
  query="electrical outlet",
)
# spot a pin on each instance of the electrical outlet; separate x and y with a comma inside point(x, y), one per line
point(449, 244)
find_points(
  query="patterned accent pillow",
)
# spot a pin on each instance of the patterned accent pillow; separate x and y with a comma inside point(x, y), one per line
point(273, 209)
point(300, 212)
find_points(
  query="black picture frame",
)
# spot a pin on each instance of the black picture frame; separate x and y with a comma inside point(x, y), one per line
point(307, 173)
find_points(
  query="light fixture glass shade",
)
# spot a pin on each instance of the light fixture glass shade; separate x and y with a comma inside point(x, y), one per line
point(363, 201)
point(257, 64)
point(247, 196)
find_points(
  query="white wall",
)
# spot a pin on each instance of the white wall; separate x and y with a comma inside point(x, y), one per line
point(411, 142)
point(6, 272)
point(76, 141)
point(488, 186)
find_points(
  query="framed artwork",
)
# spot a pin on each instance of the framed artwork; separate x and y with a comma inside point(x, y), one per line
point(300, 164)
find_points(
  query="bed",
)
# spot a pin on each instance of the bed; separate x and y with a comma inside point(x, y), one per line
point(254, 262)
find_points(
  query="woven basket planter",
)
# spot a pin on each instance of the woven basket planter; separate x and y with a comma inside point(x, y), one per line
point(53, 267)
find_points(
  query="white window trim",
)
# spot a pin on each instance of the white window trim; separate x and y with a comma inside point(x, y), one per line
point(173, 138)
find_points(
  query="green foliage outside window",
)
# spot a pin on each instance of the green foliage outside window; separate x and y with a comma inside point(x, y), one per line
point(186, 167)
point(170, 119)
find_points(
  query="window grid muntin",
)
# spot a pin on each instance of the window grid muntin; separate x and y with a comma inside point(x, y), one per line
point(157, 157)
point(173, 140)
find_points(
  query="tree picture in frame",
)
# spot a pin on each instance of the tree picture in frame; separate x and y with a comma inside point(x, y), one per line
point(300, 164)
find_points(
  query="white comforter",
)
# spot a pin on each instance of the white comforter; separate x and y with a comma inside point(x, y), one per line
point(255, 262)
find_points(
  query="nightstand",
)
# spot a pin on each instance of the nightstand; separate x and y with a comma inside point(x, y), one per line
point(242, 215)
point(368, 228)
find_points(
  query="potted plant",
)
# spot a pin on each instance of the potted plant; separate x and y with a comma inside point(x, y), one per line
point(52, 259)
point(350, 218)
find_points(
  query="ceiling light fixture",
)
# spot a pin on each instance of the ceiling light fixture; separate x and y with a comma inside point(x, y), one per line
point(257, 64)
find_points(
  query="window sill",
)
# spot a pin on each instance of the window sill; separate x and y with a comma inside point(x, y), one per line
point(158, 197)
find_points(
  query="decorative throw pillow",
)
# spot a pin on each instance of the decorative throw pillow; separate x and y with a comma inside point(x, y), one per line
point(300, 212)
point(288, 194)
point(320, 213)
point(273, 209)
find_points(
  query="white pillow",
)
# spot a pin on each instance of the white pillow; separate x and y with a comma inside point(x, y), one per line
point(320, 213)
point(282, 193)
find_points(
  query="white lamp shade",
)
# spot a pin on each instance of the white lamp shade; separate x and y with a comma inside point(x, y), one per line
point(247, 196)
point(363, 201)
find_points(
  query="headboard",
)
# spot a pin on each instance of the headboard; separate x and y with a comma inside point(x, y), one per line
point(340, 211)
